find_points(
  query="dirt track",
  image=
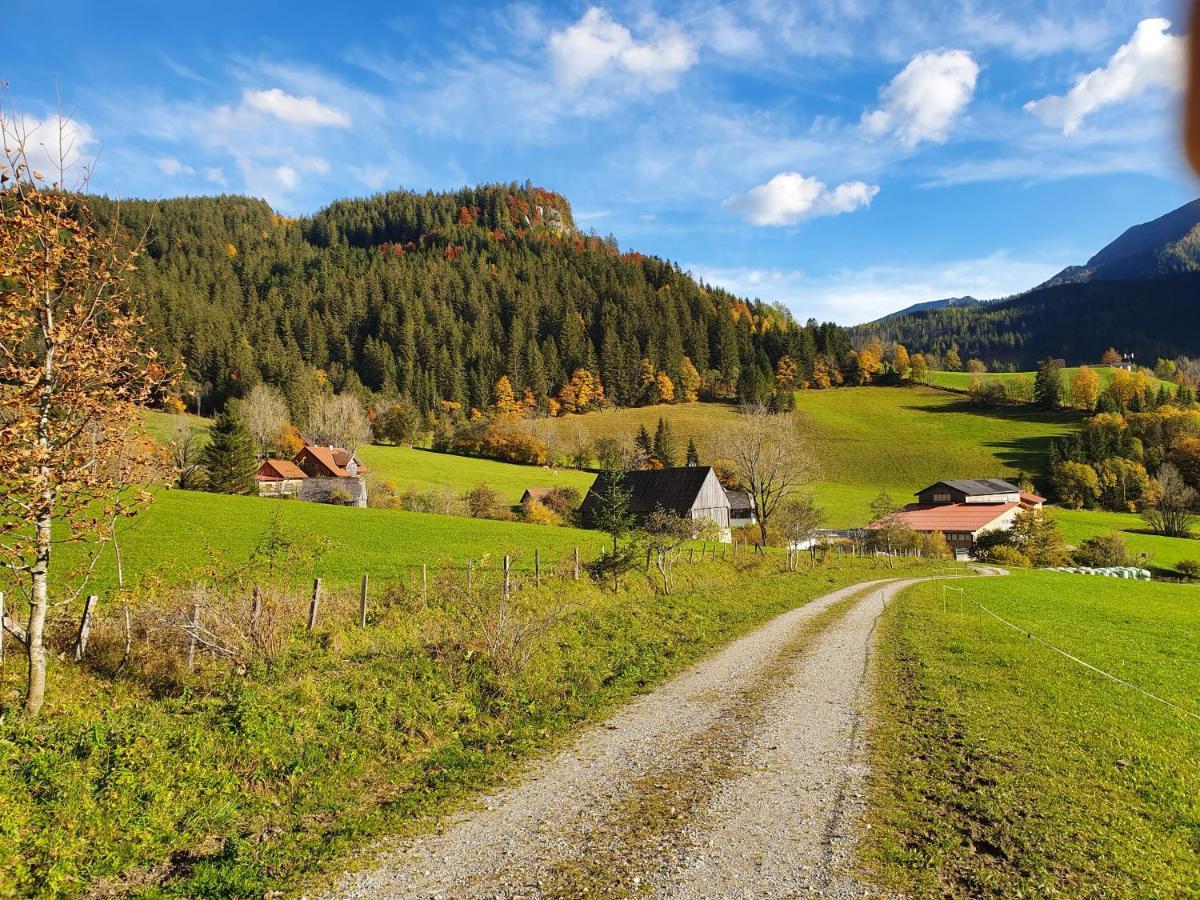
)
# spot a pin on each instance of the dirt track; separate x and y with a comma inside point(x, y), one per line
point(742, 777)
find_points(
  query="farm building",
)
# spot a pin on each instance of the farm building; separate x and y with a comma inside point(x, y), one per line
point(963, 510)
point(691, 491)
point(537, 493)
point(741, 508)
point(317, 474)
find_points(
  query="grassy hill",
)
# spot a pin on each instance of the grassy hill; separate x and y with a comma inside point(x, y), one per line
point(1001, 768)
point(424, 469)
point(184, 532)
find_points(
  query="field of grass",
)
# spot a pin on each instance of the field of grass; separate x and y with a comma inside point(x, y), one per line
point(162, 426)
point(703, 422)
point(1003, 769)
point(1160, 553)
point(241, 784)
point(961, 381)
point(184, 532)
point(424, 469)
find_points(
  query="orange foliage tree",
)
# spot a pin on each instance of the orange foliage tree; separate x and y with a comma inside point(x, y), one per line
point(689, 381)
point(75, 373)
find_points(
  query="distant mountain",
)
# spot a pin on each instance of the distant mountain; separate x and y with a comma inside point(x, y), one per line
point(1140, 294)
point(1168, 245)
point(956, 302)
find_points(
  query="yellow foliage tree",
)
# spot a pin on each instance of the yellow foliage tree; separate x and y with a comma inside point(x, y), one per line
point(868, 364)
point(786, 372)
point(1085, 388)
point(900, 360)
point(920, 368)
point(666, 387)
point(690, 381)
point(820, 379)
point(504, 398)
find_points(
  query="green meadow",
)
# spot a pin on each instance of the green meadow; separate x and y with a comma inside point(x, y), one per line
point(408, 467)
point(186, 533)
point(1001, 768)
point(961, 381)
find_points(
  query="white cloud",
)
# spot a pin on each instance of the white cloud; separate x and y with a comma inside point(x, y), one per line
point(789, 197)
point(922, 102)
point(294, 110)
point(1151, 59)
point(58, 148)
point(216, 175)
point(171, 167)
point(287, 177)
point(597, 44)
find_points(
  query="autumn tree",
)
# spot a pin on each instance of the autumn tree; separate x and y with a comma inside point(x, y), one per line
point(1175, 504)
point(265, 414)
point(338, 420)
point(901, 362)
point(799, 518)
point(689, 381)
point(664, 387)
point(976, 366)
point(771, 458)
point(787, 373)
point(504, 398)
point(920, 369)
point(1085, 388)
point(952, 362)
point(75, 372)
point(1110, 357)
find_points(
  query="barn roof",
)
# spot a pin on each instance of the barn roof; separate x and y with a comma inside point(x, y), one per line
point(739, 499)
point(950, 516)
point(278, 470)
point(325, 456)
point(675, 490)
point(536, 493)
point(973, 487)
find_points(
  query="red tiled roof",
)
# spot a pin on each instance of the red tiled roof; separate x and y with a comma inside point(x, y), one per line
point(1031, 499)
point(951, 516)
point(278, 470)
point(324, 456)
point(342, 457)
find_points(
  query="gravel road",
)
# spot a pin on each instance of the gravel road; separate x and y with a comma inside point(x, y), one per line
point(741, 777)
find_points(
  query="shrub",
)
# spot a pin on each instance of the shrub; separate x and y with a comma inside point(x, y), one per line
point(935, 546)
point(1188, 568)
point(383, 495)
point(536, 513)
point(1103, 550)
point(482, 501)
point(562, 500)
point(1008, 555)
point(499, 440)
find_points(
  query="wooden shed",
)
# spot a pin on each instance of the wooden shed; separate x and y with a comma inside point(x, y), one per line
point(692, 491)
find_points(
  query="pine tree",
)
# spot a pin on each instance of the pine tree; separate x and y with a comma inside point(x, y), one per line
point(642, 441)
point(664, 445)
point(229, 459)
point(693, 457)
point(1048, 387)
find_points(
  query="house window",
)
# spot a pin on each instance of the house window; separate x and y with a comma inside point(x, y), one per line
point(941, 498)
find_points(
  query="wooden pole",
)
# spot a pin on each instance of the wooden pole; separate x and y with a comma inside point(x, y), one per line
point(469, 564)
point(576, 562)
point(507, 569)
point(691, 554)
point(537, 567)
point(424, 582)
point(85, 627)
point(194, 634)
point(362, 601)
point(255, 610)
point(315, 604)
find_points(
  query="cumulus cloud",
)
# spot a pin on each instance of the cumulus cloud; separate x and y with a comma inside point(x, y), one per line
point(922, 102)
point(56, 147)
point(597, 44)
point(1151, 59)
point(294, 110)
point(789, 197)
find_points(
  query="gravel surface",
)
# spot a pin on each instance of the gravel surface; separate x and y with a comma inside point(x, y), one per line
point(742, 777)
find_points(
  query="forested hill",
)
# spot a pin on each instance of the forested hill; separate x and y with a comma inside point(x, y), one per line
point(434, 297)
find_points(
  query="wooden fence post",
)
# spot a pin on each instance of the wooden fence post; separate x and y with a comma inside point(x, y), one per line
point(691, 554)
point(194, 634)
point(576, 562)
point(469, 574)
point(85, 627)
point(424, 583)
point(255, 609)
point(362, 601)
point(507, 569)
point(315, 604)
point(537, 567)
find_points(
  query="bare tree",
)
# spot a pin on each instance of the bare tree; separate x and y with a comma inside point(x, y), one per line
point(1174, 509)
point(771, 456)
point(266, 416)
point(338, 420)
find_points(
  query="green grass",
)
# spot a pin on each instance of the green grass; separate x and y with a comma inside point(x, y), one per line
point(703, 422)
point(408, 466)
point(1160, 553)
point(961, 381)
point(184, 532)
point(236, 785)
point(1003, 769)
point(162, 426)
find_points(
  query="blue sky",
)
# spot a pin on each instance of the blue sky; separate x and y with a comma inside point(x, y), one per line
point(845, 158)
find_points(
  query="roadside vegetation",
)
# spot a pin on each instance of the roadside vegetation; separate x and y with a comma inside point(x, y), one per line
point(1000, 768)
